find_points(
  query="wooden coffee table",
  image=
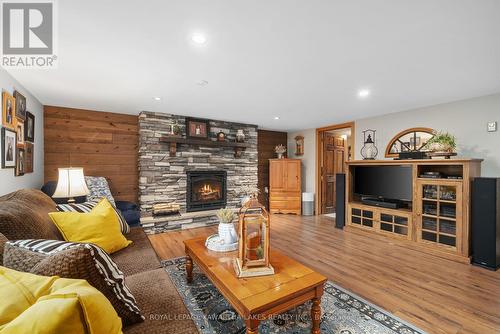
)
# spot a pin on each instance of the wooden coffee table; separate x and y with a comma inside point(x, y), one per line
point(258, 298)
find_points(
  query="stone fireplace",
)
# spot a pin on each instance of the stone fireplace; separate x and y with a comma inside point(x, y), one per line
point(206, 190)
point(200, 178)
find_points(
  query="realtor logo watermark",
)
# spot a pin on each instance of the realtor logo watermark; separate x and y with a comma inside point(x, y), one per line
point(28, 34)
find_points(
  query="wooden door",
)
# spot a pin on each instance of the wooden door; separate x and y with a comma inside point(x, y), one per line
point(292, 176)
point(333, 162)
point(276, 175)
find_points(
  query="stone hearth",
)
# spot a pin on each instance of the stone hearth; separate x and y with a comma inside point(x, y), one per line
point(163, 179)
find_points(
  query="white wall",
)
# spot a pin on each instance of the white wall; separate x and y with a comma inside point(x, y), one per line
point(8, 182)
point(466, 120)
point(308, 159)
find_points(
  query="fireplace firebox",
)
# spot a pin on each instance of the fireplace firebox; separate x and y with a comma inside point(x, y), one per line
point(206, 190)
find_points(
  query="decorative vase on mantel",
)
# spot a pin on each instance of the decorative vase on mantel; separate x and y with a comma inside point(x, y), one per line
point(240, 136)
point(226, 226)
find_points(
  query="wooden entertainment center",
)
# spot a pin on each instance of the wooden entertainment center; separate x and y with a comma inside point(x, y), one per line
point(437, 221)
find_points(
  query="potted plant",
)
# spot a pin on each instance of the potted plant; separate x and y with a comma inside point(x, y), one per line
point(248, 192)
point(226, 226)
point(442, 143)
point(176, 130)
point(280, 150)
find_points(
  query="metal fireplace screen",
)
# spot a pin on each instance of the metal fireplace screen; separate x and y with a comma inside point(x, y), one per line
point(206, 190)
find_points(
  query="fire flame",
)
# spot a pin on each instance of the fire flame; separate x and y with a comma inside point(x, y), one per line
point(206, 189)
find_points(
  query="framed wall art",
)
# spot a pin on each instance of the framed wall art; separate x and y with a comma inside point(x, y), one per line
point(8, 111)
point(8, 148)
point(29, 127)
point(20, 161)
point(197, 128)
point(20, 105)
point(29, 154)
point(20, 133)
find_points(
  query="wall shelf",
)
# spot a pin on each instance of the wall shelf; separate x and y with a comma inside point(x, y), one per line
point(174, 141)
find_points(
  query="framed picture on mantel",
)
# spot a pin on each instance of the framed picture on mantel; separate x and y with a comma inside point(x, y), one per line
point(197, 128)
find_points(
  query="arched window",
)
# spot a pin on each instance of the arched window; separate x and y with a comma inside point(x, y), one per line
point(409, 140)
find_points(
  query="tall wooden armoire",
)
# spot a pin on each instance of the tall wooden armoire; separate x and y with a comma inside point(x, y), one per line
point(285, 189)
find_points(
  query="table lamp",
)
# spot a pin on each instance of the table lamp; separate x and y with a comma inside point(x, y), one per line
point(71, 184)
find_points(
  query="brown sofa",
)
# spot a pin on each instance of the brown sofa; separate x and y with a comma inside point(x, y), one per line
point(24, 215)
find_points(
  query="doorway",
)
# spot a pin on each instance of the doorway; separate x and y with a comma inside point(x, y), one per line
point(334, 147)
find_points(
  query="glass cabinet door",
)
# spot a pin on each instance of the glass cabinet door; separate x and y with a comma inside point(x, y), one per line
point(362, 217)
point(439, 212)
point(397, 224)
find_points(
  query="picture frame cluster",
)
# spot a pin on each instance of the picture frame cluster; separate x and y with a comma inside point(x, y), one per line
point(17, 134)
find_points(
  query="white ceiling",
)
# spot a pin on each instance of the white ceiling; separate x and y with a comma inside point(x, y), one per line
point(300, 60)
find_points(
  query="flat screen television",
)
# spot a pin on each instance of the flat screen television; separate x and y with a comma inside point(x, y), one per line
point(384, 182)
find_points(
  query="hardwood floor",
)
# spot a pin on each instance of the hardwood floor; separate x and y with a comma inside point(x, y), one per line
point(436, 295)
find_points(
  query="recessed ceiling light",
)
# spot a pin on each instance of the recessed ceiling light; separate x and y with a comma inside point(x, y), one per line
point(202, 82)
point(199, 38)
point(276, 117)
point(157, 98)
point(364, 93)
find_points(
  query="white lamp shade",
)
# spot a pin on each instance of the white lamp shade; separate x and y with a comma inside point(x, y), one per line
point(71, 183)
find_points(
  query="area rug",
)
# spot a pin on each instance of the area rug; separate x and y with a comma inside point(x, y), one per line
point(342, 311)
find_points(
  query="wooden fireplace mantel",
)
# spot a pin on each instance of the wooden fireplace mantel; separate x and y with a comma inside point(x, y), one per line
point(174, 141)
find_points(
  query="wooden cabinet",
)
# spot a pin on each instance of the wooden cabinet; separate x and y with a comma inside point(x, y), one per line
point(285, 186)
point(437, 219)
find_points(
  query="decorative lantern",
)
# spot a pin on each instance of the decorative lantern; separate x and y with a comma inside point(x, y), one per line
point(369, 150)
point(254, 246)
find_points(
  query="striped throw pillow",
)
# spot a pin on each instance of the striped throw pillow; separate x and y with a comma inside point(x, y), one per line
point(87, 207)
point(109, 271)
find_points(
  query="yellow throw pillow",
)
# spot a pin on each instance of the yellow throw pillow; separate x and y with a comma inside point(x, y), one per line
point(99, 226)
point(42, 305)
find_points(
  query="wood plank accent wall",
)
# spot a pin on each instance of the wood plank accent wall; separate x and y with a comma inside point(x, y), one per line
point(266, 142)
point(103, 143)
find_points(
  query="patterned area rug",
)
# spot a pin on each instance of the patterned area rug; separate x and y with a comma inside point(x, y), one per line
point(342, 311)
